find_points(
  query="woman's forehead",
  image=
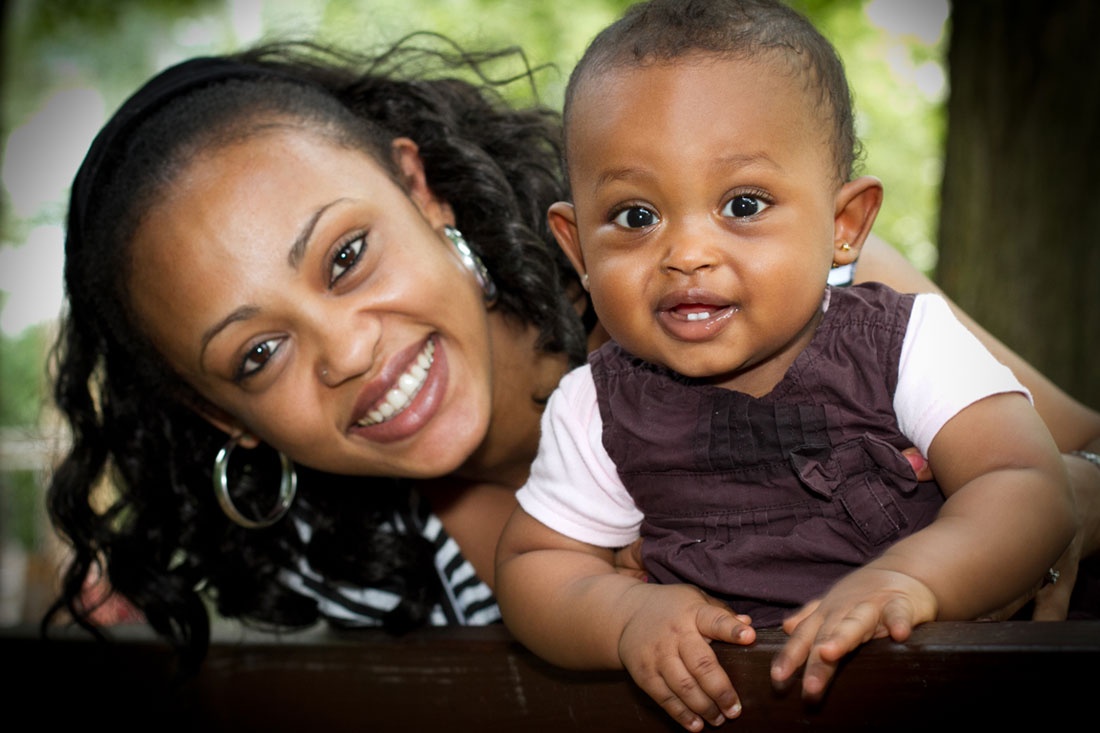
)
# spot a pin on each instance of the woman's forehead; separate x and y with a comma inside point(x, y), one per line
point(234, 214)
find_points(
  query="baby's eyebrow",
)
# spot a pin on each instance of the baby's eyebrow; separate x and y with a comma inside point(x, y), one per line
point(744, 160)
point(620, 174)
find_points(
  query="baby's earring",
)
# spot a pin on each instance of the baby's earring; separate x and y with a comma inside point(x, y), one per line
point(844, 247)
point(584, 282)
point(474, 264)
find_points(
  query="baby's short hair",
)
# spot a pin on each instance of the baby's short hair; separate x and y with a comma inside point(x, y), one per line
point(662, 31)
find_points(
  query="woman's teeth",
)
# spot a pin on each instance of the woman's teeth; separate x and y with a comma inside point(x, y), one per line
point(698, 316)
point(407, 385)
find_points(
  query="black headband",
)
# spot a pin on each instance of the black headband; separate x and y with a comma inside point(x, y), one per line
point(110, 144)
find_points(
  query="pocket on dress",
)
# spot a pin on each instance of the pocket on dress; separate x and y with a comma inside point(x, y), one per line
point(865, 476)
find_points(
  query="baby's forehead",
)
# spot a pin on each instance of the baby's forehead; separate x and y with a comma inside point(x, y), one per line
point(600, 83)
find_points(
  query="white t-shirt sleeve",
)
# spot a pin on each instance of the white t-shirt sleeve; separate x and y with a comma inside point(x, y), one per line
point(943, 369)
point(574, 488)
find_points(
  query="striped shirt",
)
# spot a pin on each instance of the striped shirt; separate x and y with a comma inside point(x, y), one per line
point(467, 600)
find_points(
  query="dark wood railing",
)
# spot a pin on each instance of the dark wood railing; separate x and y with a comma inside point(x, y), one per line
point(985, 676)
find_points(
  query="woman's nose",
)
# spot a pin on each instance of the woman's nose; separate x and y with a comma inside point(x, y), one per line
point(346, 347)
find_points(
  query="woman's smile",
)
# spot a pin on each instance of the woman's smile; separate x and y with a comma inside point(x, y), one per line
point(407, 402)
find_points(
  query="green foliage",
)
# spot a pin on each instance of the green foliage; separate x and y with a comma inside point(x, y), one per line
point(900, 126)
point(54, 44)
point(20, 508)
point(22, 377)
point(50, 18)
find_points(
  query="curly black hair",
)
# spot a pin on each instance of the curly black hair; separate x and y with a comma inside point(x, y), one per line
point(161, 538)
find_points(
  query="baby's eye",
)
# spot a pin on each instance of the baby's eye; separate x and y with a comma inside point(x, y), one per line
point(345, 258)
point(257, 357)
point(636, 217)
point(744, 205)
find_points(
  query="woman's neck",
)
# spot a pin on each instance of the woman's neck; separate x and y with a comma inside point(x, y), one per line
point(523, 378)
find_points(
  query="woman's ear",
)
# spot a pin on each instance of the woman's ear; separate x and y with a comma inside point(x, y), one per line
point(223, 421)
point(410, 172)
point(857, 205)
point(562, 218)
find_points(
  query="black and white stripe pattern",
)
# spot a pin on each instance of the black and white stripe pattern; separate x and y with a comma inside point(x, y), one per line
point(467, 600)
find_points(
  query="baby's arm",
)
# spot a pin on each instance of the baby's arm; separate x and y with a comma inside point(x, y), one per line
point(1009, 514)
point(563, 599)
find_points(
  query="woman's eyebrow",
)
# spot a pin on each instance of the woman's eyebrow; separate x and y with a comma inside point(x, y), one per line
point(240, 314)
point(298, 249)
point(294, 257)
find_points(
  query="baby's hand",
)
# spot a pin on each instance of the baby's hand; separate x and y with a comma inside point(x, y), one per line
point(868, 604)
point(665, 647)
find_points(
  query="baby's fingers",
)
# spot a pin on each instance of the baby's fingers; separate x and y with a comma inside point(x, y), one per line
point(839, 637)
point(797, 649)
point(832, 642)
point(711, 680)
point(679, 692)
point(670, 702)
point(717, 622)
point(792, 622)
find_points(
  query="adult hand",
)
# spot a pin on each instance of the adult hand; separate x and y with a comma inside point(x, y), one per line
point(1052, 599)
point(919, 464)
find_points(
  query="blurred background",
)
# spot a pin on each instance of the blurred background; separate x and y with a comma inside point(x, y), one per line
point(67, 64)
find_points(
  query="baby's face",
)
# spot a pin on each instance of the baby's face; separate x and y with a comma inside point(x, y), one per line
point(704, 195)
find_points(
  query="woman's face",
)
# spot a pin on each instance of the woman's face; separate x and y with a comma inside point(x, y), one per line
point(303, 292)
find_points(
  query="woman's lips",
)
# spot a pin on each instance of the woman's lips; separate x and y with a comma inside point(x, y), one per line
point(404, 389)
point(404, 396)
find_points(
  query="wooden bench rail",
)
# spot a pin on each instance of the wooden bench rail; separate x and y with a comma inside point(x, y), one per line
point(480, 679)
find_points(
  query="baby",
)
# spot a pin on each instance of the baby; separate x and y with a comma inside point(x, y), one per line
point(747, 419)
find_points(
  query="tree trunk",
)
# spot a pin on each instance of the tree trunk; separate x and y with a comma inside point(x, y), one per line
point(1020, 219)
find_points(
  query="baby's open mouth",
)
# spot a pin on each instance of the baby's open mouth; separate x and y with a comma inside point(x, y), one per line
point(697, 311)
point(404, 390)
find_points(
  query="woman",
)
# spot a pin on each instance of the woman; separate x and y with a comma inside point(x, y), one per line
point(350, 265)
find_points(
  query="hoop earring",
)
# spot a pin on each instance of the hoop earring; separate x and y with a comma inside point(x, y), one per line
point(288, 487)
point(474, 264)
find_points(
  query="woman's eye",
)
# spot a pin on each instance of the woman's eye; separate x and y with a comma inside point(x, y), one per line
point(743, 206)
point(257, 357)
point(636, 217)
point(346, 257)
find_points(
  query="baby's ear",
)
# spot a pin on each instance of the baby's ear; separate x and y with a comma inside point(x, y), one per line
point(857, 205)
point(562, 218)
